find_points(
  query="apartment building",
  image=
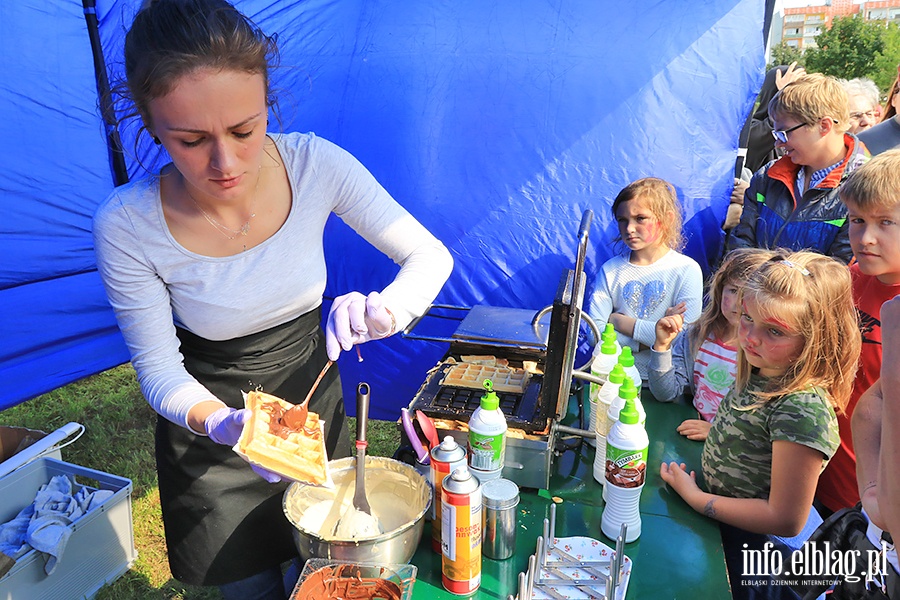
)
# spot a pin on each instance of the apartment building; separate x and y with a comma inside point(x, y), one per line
point(800, 25)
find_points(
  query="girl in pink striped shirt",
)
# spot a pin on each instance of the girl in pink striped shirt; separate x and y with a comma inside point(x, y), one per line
point(701, 359)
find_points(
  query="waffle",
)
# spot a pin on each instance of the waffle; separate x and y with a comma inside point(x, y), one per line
point(505, 379)
point(298, 455)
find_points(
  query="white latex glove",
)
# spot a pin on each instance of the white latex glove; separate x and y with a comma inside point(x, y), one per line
point(224, 426)
point(355, 319)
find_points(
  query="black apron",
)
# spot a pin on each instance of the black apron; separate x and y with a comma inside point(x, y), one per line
point(223, 522)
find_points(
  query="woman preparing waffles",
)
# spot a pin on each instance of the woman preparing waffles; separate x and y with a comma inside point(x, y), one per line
point(215, 269)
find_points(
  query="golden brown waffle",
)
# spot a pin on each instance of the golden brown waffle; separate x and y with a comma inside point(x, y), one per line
point(297, 454)
point(505, 379)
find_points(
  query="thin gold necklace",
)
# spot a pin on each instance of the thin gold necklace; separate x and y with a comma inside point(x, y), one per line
point(223, 229)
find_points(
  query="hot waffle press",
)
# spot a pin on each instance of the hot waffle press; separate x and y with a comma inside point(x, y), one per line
point(533, 400)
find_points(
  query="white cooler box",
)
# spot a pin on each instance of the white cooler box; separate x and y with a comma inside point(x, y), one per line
point(100, 549)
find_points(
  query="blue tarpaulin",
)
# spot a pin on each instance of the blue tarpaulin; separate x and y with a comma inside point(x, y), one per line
point(496, 124)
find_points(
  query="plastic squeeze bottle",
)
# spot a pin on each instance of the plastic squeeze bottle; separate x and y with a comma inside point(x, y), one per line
point(627, 391)
point(626, 359)
point(487, 436)
point(608, 393)
point(605, 358)
point(626, 471)
point(606, 355)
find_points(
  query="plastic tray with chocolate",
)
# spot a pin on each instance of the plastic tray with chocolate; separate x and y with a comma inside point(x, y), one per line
point(325, 579)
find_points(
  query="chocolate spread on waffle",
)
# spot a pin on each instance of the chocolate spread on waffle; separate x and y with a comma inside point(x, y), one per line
point(326, 584)
point(281, 423)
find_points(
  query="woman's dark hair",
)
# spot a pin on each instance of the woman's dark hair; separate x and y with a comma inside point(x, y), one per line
point(172, 38)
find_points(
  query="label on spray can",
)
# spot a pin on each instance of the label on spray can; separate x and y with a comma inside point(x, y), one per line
point(445, 458)
point(461, 536)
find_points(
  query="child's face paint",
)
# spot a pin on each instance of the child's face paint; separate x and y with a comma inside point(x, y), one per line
point(768, 344)
point(729, 305)
point(638, 226)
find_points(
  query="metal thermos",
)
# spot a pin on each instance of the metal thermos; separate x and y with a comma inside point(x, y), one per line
point(445, 457)
point(500, 498)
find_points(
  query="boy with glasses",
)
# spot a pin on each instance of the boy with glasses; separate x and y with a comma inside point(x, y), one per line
point(793, 202)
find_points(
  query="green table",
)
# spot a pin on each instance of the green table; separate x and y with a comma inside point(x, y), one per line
point(679, 553)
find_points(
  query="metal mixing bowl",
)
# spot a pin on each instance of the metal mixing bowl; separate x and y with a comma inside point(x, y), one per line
point(399, 497)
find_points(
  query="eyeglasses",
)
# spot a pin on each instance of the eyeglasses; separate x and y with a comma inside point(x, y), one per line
point(782, 136)
point(869, 115)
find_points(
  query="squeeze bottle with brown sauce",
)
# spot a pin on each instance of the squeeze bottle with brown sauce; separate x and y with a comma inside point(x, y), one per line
point(626, 469)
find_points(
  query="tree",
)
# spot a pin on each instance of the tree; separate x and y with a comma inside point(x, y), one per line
point(785, 55)
point(848, 49)
point(886, 62)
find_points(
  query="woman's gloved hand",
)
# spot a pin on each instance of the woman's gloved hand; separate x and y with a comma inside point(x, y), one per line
point(355, 319)
point(224, 426)
point(267, 475)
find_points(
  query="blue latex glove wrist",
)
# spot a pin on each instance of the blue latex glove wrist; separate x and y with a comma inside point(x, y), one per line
point(267, 475)
point(225, 425)
point(355, 319)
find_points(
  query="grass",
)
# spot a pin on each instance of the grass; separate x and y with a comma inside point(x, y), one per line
point(118, 439)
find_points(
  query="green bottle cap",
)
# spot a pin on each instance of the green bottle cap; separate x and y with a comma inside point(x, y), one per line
point(609, 333)
point(627, 390)
point(626, 359)
point(490, 400)
point(629, 414)
point(608, 347)
point(617, 375)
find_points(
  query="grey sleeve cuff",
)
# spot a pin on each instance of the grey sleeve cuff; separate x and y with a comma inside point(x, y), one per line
point(661, 361)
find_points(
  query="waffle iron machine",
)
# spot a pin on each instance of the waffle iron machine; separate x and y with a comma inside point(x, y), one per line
point(530, 360)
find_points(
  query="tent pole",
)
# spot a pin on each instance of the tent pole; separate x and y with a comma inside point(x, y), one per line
point(113, 141)
point(744, 137)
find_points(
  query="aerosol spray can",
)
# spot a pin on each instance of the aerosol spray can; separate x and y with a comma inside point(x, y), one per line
point(445, 458)
point(461, 535)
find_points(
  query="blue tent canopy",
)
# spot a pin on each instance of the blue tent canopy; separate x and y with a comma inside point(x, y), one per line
point(496, 124)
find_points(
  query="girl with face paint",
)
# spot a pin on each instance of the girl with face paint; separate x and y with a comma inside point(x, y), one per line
point(701, 360)
point(799, 344)
point(650, 279)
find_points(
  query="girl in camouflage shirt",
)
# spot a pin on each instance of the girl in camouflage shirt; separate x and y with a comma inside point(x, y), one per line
point(777, 428)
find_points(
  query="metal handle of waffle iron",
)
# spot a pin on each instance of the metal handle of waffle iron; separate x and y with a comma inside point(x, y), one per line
point(584, 230)
point(557, 428)
point(535, 324)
